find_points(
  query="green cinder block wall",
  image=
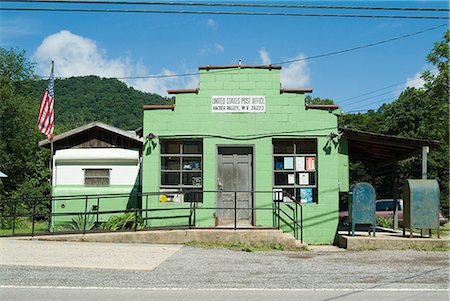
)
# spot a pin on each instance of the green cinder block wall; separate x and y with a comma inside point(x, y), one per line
point(285, 117)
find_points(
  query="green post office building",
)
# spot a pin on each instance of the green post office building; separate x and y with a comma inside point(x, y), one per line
point(241, 140)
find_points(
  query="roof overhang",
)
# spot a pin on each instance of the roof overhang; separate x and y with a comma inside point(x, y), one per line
point(109, 128)
point(380, 149)
point(239, 66)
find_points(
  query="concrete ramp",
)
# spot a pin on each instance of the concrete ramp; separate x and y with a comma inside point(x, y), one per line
point(228, 236)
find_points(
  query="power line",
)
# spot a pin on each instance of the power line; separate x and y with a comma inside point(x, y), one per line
point(357, 111)
point(380, 89)
point(296, 60)
point(375, 102)
point(371, 97)
point(278, 14)
point(212, 4)
point(367, 45)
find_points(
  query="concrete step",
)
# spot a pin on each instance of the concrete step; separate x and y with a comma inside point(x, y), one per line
point(228, 236)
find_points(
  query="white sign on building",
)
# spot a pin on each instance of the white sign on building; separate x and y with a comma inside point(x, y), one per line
point(238, 104)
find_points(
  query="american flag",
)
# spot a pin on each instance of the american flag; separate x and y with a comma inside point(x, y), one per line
point(46, 111)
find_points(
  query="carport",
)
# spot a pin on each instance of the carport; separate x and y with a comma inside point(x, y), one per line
point(383, 152)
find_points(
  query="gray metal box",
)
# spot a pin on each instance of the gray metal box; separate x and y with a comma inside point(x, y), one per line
point(421, 204)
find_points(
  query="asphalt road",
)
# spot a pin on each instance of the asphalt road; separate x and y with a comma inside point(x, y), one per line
point(111, 294)
point(219, 274)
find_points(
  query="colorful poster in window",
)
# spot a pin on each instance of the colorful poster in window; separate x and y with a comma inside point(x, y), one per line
point(310, 163)
point(288, 162)
point(306, 195)
point(300, 163)
point(303, 178)
point(279, 163)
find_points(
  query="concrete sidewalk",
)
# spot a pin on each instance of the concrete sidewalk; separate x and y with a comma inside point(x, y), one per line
point(144, 257)
point(388, 239)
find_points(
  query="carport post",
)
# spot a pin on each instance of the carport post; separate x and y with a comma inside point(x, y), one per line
point(425, 150)
point(394, 194)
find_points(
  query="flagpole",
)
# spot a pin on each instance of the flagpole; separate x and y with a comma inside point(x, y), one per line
point(51, 169)
point(46, 122)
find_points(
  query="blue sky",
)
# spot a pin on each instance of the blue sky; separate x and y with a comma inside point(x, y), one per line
point(118, 45)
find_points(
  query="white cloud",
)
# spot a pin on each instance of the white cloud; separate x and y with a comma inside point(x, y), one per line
point(295, 74)
point(160, 85)
point(219, 48)
point(415, 82)
point(75, 55)
point(264, 56)
point(211, 23)
point(214, 49)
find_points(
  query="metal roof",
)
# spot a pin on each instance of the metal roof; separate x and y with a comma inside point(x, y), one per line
point(381, 149)
point(130, 135)
point(2, 175)
point(241, 66)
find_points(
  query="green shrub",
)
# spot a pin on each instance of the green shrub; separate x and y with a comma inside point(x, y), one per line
point(279, 247)
point(61, 227)
point(78, 222)
point(24, 226)
point(124, 221)
point(384, 222)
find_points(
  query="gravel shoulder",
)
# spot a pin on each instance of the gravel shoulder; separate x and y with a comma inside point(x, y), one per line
point(199, 268)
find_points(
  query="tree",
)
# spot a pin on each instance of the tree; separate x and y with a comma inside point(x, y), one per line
point(14, 65)
point(20, 157)
point(318, 101)
point(417, 113)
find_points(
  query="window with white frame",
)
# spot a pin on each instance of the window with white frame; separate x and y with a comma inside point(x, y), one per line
point(181, 170)
point(295, 169)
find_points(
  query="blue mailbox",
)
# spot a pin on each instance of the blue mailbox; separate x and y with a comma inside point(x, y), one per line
point(361, 206)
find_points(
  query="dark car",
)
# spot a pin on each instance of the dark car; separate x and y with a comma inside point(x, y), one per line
point(384, 209)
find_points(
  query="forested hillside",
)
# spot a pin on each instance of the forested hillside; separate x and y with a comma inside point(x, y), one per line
point(80, 100)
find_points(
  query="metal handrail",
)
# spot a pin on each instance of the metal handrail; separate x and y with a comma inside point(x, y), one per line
point(294, 219)
point(193, 207)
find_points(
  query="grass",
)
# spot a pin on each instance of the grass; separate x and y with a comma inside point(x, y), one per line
point(385, 222)
point(431, 248)
point(444, 230)
point(25, 227)
point(246, 247)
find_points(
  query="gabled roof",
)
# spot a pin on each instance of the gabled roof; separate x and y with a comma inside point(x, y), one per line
point(131, 135)
point(2, 175)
